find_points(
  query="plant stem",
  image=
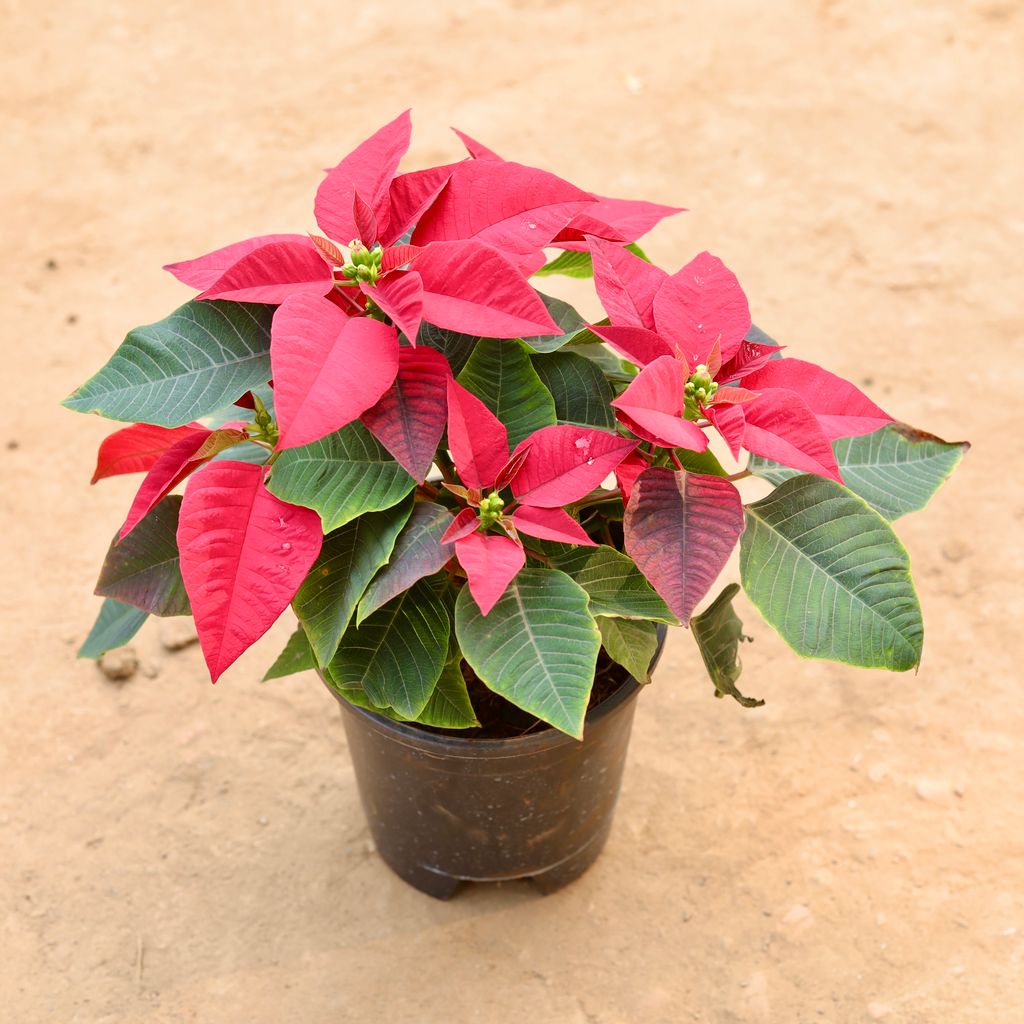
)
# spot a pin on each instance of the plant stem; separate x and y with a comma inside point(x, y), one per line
point(741, 475)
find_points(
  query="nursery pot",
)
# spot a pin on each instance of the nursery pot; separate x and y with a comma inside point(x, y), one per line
point(446, 809)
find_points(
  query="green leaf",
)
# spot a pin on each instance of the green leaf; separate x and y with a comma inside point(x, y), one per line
point(397, 654)
point(615, 585)
point(828, 573)
point(896, 470)
point(342, 476)
point(537, 648)
point(568, 264)
point(704, 463)
point(637, 251)
point(418, 552)
point(631, 643)
point(501, 375)
point(347, 562)
point(116, 624)
point(580, 390)
point(567, 318)
point(719, 633)
point(200, 358)
point(144, 569)
point(297, 656)
point(455, 347)
point(449, 706)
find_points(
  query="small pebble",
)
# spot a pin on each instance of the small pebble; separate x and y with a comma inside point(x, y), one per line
point(933, 789)
point(119, 664)
point(51, 264)
point(876, 1011)
point(955, 550)
point(13, 445)
point(263, 820)
point(151, 669)
point(178, 633)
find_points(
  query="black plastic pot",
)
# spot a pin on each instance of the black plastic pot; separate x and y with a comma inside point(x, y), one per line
point(447, 809)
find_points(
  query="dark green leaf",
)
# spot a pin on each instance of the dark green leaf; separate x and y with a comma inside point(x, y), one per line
point(200, 358)
point(896, 470)
point(567, 319)
point(342, 476)
point(828, 573)
point(719, 632)
point(297, 656)
point(143, 569)
point(632, 643)
point(449, 706)
point(580, 390)
point(455, 347)
point(537, 647)
point(418, 552)
point(615, 585)
point(348, 560)
point(116, 624)
point(500, 374)
point(397, 654)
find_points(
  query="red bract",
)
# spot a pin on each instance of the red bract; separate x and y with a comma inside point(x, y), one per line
point(554, 466)
point(618, 220)
point(687, 333)
point(472, 280)
point(136, 448)
point(244, 554)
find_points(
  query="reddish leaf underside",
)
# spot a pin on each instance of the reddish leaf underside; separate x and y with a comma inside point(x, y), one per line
point(328, 368)
point(491, 561)
point(565, 463)
point(700, 304)
point(410, 417)
point(368, 170)
point(550, 524)
point(626, 473)
point(135, 449)
point(273, 272)
point(637, 344)
point(477, 438)
point(244, 554)
point(626, 284)
point(680, 528)
point(462, 525)
point(473, 289)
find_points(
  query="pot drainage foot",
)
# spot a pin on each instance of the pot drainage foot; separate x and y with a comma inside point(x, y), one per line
point(568, 871)
point(432, 883)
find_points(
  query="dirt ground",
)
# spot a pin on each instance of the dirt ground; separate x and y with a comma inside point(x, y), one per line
point(177, 852)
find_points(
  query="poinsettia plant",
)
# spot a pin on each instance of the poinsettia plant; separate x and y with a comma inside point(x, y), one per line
point(447, 473)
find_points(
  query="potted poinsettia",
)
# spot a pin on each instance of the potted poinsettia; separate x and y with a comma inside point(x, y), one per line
point(484, 511)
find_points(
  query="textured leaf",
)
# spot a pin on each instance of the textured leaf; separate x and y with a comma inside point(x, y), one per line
point(896, 470)
point(719, 632)
point(409, 195)
point(581, 392)
point(828, 573)
point(472, 288)
point(626, 284)
point(143, 569)
point(516, 209)
point(455, 347)
point(491, 562)
point(779, 426)
point(615, 585)
point(203, 271)
point(841, 409)
point(449, 706)
point(197, 360)
point(297, 656)
point(652, 407)
point(701, 304)
point(342, 476)
point(400, 295)
point(680, 529)
point(619, 220)
point(329, 368)
point(501, 375)
point(244, 553)
point(477, 438)
point(347, 562)
point(538, 648)
point(637, 344)
point(116, 624)
point(570, 325)
point(418, 552)
point(398, 653)
point(274, 272)
point(568, 264)
point(410, 417)
point(549, 524)
point(565, 463)
point(136, 448)
point(368, 169)
point(631, 643)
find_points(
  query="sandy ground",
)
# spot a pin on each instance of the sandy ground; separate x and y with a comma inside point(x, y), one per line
point(175, 852)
